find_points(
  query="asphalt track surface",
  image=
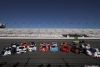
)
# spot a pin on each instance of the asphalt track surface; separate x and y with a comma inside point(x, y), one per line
point(32, 59)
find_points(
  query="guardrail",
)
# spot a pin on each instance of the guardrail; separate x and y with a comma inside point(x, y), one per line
point(34, 38)
point(47, 38)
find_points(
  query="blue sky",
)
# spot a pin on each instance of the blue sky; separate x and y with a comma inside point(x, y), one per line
point(50, 13)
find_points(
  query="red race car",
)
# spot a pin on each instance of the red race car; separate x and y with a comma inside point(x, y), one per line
point(24, 44)
point(65, 48)
point(44, 48)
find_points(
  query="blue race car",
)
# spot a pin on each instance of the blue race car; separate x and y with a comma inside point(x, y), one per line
point(94, 52)
point(73, 46)
point(53, 48)
point(7, 51)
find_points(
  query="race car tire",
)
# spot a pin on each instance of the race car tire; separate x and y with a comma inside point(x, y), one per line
point(18, 52)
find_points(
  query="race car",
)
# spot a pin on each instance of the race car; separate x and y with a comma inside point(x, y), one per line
point(44, 48)
point(94, 52)
point(32, 47)
point(24, 44)
point(14, 46)
point(85, 46)
point(53, 48)
point(66, 48)
point(64, 44)
point(78, 41)
point(21, 49)
point(54, 43)
point(6, 51)
point(77, 49)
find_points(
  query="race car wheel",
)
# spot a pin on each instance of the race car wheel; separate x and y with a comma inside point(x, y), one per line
point(77, 51)
point(18, 52)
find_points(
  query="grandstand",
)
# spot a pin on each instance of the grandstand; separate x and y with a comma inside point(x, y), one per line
point(50, 32)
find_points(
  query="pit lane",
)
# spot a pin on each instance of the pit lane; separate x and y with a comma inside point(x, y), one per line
point(54, 58)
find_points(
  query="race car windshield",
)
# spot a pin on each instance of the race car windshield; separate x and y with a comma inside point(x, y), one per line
point(92, 50)
point(74, 44)
point(31, 46)
point(41, 43)
point(65, 46)
point(21, 47)
point(85, 44)
point(53, 46)
point(32, 43)
point(24, 43)
point(8, 49)
point(43, 46)
point(14, 43)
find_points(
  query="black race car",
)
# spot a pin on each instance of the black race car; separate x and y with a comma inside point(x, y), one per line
point(14, 46)
point(7, 51)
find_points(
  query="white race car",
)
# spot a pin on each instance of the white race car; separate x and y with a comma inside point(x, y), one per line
point(94, 52)
point(85, 46)
point(21, 49)
point(32, 48)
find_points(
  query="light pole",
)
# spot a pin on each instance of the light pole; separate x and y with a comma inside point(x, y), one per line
point(94, 25)
point(86, 25)
point(31, 25)
point(55, 28)
point(55, 25)
point(23, 25)
point(39, 25)
point(6, 24)
point(71, 25)
point(47, 25)
point(39, 28)
point(63, 25)
point(15, 25)
point(79, 25)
